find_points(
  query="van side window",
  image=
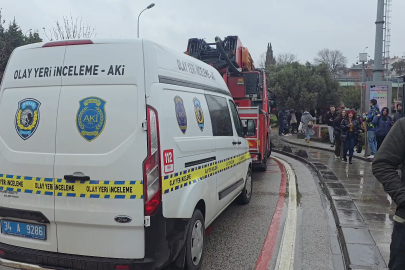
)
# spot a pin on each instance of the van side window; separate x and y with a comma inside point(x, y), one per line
point(236, 119)
point(220, 117)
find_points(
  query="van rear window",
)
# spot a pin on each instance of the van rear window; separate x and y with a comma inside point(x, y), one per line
point(220, 117)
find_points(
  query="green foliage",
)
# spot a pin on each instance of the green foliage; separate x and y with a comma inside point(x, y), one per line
point(325, 135)
point(351, 97)
point(398, 67)
point(12, 37)
point(300, 86)
point(273, 120)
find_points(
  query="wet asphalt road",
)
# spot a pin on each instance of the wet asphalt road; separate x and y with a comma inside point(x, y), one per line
point(238, 234)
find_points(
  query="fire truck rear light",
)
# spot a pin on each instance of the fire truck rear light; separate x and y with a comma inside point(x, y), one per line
point(67, 43)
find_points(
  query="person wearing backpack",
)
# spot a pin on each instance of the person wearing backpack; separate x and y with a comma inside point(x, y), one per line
point(307, 121)
point(383, 124)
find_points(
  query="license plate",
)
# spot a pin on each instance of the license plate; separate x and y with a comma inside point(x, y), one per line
point(23, 229)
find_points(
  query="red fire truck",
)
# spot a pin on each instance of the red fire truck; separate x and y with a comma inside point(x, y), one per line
point(247, 84)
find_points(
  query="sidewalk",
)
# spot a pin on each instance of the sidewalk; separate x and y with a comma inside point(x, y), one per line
point(363, 208)
point(317, 145)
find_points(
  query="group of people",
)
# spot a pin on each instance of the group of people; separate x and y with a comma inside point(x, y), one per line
point(345, 129)
point(288, 119)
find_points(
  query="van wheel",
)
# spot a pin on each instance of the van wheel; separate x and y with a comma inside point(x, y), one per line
point(246, 195)
point(195, 242)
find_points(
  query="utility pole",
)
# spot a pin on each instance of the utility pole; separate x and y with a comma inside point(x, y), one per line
point(379, 40)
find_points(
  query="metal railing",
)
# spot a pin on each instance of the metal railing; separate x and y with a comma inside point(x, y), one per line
point(353, 79)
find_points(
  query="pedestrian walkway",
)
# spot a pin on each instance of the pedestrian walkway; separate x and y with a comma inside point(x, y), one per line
point(317, 145)
point(372, 207)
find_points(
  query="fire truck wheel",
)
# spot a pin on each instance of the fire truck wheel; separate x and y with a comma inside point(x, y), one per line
point(269, 147)
point(263, 166)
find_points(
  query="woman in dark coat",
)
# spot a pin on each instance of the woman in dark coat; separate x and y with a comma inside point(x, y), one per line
point(350, 129)
point(337, 132)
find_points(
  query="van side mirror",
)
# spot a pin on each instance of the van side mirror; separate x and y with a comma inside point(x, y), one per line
point(251, 128)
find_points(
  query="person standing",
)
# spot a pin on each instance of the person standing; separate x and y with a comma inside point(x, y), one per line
point(298, 115)
point(308, 121)
point(350, 128)
point(337, 133)
point(330, 117)
point(293, 122)
point(371, 137)
point(383, 125)
point(398, 114)
point(281, 121)
point(388, 159)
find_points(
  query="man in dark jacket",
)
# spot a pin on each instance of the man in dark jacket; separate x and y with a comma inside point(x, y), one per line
point(385, 165)
point(398, 114)
point(330, 117)
point(382, 123)
point(371, 137)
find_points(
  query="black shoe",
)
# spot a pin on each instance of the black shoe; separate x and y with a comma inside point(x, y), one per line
point(332, 145)
point(350, 160)
point(345, 159)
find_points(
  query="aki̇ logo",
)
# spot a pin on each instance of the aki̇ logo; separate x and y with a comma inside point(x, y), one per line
point(91, 117)
point(181, 114)
point(27, 117)
point(199, 115)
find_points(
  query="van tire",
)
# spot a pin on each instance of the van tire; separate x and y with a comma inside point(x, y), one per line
point(196, 229)
point(246, 195)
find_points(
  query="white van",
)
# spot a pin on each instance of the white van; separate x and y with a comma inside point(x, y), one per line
point(115, 154)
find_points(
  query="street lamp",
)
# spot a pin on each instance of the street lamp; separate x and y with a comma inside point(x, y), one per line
point(148, 7)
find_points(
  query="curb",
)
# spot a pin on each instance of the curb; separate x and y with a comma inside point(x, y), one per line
point(326, 173)
point(324, 149)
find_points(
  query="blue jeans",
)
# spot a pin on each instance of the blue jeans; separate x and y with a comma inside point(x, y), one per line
point(397, 255)
point(349, 144)
point(307, 136)
point(372, 141)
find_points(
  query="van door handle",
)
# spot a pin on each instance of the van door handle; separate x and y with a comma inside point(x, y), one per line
point(76, 178)
point(234, 143)
point(239, 142)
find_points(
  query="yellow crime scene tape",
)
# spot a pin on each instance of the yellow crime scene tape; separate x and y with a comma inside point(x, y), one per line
point(191, 176)
point(14, 184)
point(65, 188)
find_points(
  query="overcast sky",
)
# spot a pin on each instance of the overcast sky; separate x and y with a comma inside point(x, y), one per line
point(292, 26)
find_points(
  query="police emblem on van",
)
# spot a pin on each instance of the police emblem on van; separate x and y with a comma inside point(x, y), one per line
point(91, 117)
point(27, 117)
point(199, 115)
point(180, 114)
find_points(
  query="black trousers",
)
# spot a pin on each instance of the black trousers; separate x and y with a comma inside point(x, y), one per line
point(397, 256)
point(380, 140)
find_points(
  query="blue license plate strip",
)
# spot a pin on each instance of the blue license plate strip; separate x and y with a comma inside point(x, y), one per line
point(22, 229)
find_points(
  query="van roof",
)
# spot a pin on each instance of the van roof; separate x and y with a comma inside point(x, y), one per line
point(168, 65)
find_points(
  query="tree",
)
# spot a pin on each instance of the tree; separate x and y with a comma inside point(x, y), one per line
point(351, 97)
point(300, 86)
point(12, 37)
point(286, 58)
point(398, 67)
point(262, 61)
point(70, 29)
point(334, 59)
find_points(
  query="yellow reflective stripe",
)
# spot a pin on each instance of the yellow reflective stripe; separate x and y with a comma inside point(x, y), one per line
point(178, 180)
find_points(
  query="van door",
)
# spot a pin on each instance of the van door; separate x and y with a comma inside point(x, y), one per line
point(100, 149)
point(243, 147)
point(226, 144)
point(28, 110)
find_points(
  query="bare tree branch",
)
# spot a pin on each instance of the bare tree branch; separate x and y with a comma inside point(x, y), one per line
point(261, 63)
point(70, 28)
point(334, 59)
point(286, 58)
